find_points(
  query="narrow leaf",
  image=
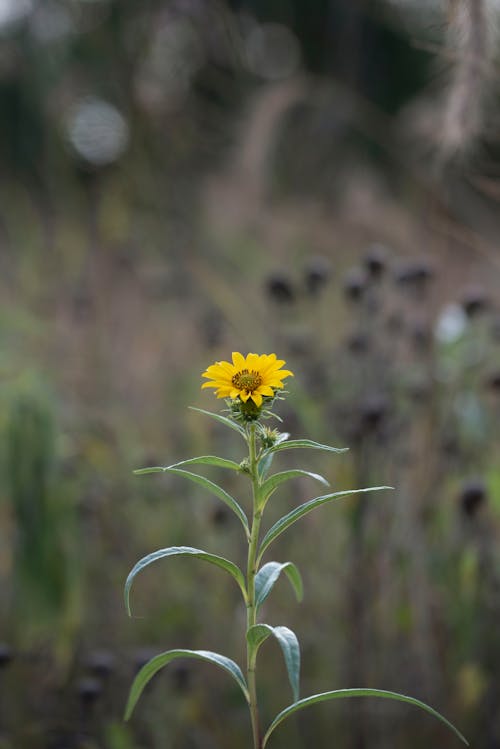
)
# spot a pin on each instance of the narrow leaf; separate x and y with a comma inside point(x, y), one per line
point(292, 444)
point(183, 551)
point(341, 693)
point(207, 460)
point(267, 576)
point(217, 490)
point(289, 645)
point(222, 419)
point(155, 664)
point(287, 520)
point(264, 465)
point(272, 483)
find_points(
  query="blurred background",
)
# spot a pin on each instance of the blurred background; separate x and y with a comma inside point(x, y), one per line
point(184, 178)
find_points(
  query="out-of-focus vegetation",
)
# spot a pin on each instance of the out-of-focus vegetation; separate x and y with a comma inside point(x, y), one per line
point(180, 179)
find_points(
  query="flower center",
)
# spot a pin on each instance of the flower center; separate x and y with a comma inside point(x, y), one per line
point(246, 380)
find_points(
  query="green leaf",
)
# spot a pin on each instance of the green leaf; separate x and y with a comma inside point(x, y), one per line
point(292, 444)
point(153, 666)
point(207, 460)
point(289, 645)
point(272, 483)
point(183, 551)
point(287, 520)
point(264, 464)
point(217, 490)
point(340, 693)
point(222, 419)
point(267, 576)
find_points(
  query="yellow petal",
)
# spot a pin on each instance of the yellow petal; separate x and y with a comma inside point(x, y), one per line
point(216, 371)
point(227, 367)
point(265, 390)
point(244, 395)
point(238, 360)
point(276, 384)
point(257, 398)
point(252, 361)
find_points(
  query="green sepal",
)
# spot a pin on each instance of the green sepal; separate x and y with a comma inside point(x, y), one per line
point(289, 645)
point(293, 444)
point(206, 460)
point(268, 575)
point(217, 490)
point(183, 551)
point(272, 483)
point(287, 520)
point(222, 419)
point(153, 666)
point(341, 693)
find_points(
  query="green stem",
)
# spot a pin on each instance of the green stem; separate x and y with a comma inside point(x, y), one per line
point(251, 572)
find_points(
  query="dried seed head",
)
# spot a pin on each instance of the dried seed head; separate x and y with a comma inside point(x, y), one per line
point(373, 410)
point(354, 284)
point(415, 273)
point(317, 274)
point(280, 289)
point(375, 260)
point(474, 300)
point(493, 381)
point(89, 690)
point(101, 663)
point(472, 495)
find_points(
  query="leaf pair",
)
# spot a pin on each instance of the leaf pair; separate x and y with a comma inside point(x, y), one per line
point(264, 580)
point(287, 641)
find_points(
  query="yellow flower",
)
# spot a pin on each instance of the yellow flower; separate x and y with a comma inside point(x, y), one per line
point(247, 377)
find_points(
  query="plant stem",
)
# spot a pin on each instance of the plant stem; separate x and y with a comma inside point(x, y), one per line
point(251, 572)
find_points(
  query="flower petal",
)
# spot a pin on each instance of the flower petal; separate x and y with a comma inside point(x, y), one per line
point(257, 398)
point(265, 390)
point(238, 360)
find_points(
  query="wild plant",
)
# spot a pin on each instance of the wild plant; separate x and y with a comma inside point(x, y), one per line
point(251, 387)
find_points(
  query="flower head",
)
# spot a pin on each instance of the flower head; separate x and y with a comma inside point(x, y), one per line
point(252, 377)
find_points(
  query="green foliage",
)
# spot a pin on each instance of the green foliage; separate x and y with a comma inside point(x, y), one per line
point(345, 693)
point(271, 484)
point(217, 490)
point(268, 575)
point(287, 520)
point(307, 444)
point(206, 460)
point(289, 645)
point(259, 581)
point(155, 664)
point(183, 551)
point(39, 517)
point(222, 420)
